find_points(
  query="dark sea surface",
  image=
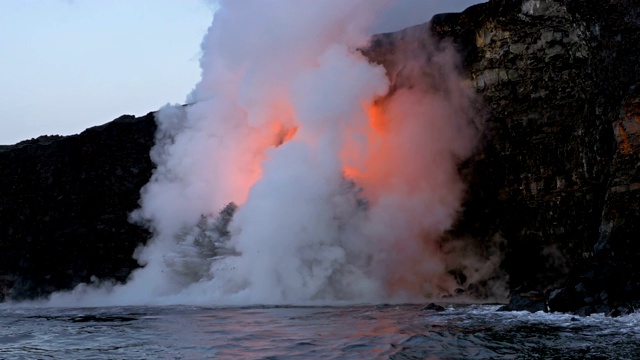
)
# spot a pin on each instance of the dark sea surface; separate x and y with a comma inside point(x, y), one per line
point(346, 332)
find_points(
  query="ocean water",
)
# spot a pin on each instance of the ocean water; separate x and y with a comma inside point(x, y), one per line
point(345, 332)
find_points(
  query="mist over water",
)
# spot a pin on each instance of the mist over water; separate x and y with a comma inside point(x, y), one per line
point(344, 177)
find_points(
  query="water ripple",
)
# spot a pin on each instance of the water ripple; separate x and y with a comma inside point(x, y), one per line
point(353, 332)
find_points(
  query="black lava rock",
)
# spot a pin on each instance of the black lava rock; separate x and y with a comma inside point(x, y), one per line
point(65, 207)
point(433, 307)
point(532, 302)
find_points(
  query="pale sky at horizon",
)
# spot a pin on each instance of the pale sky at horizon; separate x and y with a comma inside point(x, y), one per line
point(67, 65)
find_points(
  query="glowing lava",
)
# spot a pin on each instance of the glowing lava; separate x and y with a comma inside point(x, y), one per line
point(344, 189)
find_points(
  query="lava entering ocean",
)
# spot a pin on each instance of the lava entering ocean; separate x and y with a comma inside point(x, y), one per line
point(344, 180)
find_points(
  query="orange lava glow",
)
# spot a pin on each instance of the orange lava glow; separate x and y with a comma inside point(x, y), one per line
point(384, 155)
point(246, 166)
point(386, 167)
point(370, 166)
point(282, 133)
point(377, 119)
point(405, 173)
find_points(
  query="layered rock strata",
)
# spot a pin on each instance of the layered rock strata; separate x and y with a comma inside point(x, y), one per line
point(555, 183)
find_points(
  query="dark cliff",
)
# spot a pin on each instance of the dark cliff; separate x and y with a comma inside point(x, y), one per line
point(65, 206)
point(555, 184)
point(557, 178)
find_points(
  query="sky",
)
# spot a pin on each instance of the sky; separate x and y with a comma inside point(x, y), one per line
point(66, 65)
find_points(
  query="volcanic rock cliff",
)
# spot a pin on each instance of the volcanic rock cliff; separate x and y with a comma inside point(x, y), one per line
point(65, 206)
point(554, 187)
point(557, 178)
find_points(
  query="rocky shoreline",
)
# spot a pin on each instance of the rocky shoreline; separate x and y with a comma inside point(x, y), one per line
point(555, 187)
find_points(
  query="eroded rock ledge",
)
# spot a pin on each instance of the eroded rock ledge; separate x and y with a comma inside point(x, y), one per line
point(555, 185)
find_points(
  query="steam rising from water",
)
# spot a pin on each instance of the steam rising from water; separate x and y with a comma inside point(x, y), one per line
point(344, 180)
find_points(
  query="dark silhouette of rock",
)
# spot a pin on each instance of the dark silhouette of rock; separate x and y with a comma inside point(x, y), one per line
point(65, 206)
point(433, 307)
point(532, 302)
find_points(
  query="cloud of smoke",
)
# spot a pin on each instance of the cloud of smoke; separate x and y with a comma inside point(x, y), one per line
point(344, 180)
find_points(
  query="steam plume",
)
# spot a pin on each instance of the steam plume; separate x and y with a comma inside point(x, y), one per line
point(344, 180)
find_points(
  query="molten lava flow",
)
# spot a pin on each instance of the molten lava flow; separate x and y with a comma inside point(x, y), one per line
point(370, 160)
point(378, 164)
point(245, 168)
point(362, 156)
point(286, 109)
point(409, 178)
point(284, 134)
point(377, 119)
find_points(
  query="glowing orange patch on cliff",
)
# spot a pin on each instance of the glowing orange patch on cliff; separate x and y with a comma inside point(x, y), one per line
point(384, 155)
point(369, 161)
point(383, 162)
point(247, 160)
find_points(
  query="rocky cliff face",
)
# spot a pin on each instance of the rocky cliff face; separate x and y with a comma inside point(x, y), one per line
point(555, 186)
point(566, 140)
point(65, 203)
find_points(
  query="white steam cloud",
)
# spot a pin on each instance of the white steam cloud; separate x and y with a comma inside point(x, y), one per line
point(344, 180)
